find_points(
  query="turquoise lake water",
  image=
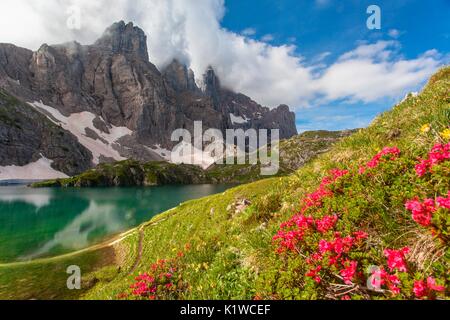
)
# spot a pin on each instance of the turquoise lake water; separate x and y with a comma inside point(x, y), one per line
point(38, 223)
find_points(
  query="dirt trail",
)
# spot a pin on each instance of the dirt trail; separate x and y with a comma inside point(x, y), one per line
point(139, 255)
point(141, 244)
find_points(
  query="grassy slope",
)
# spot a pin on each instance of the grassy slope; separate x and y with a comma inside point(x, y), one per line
point(232, 255)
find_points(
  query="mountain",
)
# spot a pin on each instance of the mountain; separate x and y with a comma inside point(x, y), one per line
point(117, 104)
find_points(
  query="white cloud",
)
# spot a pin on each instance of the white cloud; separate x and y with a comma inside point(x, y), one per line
point(267, 38)
point(248, 32)
point(394, 33)
point(375, 71)
point(190, 30)
point(320, 57)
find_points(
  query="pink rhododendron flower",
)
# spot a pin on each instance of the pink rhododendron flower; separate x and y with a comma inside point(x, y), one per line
point(342, 245)
point(420, 288)
point(325, 246)
point(360, 235)
point(394, 152)
point(422, 212)
point(422, 167)
point(431, 283)
point(145, 277)
point(314, 273)
point(423, 289)
point(140, 288)
point(396, 259)
point(349, 272)
point(444, 202)
point(326, 223)
point(382, 278)
point(315, 257)
point(337, 173)
point(439, 153)
point(288, 239)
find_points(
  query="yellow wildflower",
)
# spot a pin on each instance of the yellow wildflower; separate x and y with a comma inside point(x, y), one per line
point(425, 128)
point(446, 134)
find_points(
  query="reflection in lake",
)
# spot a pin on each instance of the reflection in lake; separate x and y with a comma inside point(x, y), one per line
point(46, 222)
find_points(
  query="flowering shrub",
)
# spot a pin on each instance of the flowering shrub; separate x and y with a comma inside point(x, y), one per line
point(397, 264)
point(162, 281)
point(325, 234)
point(396, 259)
point(427, 289)
point(381, 278)
point(293, 230)
point(432, 213)
point(422, 212)
point(438, 154)
point(328, 251)
point(388, 153)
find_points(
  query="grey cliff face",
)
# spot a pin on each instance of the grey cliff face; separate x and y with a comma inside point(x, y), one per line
point(180, 78)
point(115, 80)
point(26, 136)
point(121, 38)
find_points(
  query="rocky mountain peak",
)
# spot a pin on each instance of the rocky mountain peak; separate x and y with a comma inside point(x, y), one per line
point(124, 38)
point(44, 57)
point(211, 84)
point(283, 108)
point(180, 77)
point(125, 104)
point(210, 80)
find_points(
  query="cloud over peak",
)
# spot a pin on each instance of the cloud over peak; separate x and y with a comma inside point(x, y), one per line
point(190, 31)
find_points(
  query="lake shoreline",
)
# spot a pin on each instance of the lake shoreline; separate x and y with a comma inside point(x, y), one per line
point(47, 222)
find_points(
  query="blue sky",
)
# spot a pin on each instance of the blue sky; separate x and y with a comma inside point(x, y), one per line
point(336, 27)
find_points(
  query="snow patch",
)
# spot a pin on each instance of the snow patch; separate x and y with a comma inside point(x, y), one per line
point(163, 153)
point(186, 153)
point(238, 119)
point(77, 123)
point(40, 169)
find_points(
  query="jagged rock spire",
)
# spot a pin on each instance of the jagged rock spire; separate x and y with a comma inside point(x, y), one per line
point(124, 38)
point(211, 85)
point(180, 77)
